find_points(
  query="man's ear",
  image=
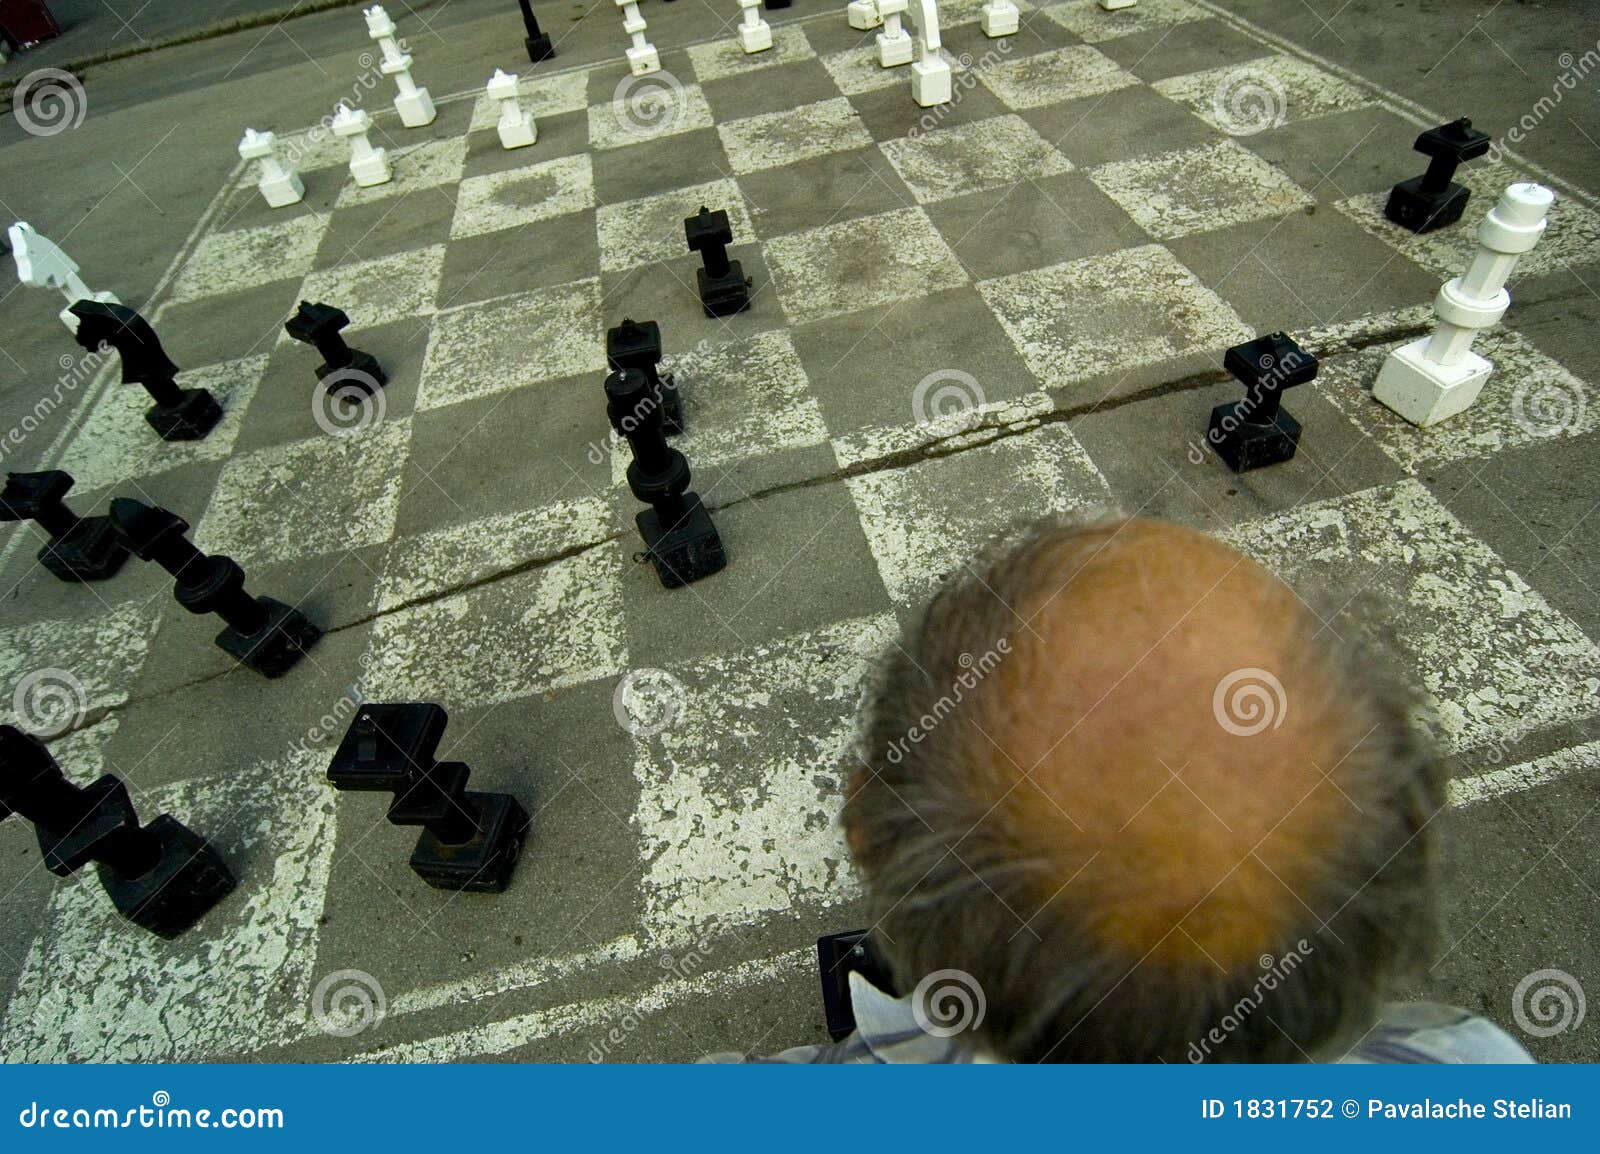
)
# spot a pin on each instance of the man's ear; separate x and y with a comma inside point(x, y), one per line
point(854, 782)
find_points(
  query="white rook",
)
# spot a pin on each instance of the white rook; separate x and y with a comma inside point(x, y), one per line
point(279, 185)
point(516, 127)
point(755, 34)
point(894, 42)
point(1000, 18)
point(41, 263)
point(930, 73)
point(413, 104)
point(1438, 376)
point(368, 165)
point(642, 57)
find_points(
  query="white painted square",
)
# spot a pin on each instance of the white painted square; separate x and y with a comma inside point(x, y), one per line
point(648, 109)
point(374, 292)
point(53, 672)
point(779, 138)
point(1052, 77)
point(1093, 24)
point(512, 342)
point(724, 57)
point(856, 70)
point(418, 169)
point(523, 195)
point(115, 443)
point(856, 264)
point(739, 794)
point(1483, 643)
point(1529, 398)
point(1194, 190)
point(950, 162)
point(954, 13)
point(636, 232)
point(539, 96)
point(96, 988)
point(926, 523)
point(323, 495)
point(1572, 237)
point(229, 262)
point(1107, 314)
point(1243, 99)
point(551, 627)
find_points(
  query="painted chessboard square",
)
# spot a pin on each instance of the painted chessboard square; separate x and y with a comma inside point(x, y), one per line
point(781, 138)
point(373, 292)
point(1094, 24)
point(648, 112)
point(949, 162)
point(856, 264)
point(513, 342)
point(58, 670)
point(1138, 306)
point(1195, 190)
point(856, 70)
point(523, 196)
point(636, 232)
point(1051, 77)
point(539, 96)
point(724, 57)
point(842, 187)
point(229, 262)
point(1243, 99)
point(418, 170)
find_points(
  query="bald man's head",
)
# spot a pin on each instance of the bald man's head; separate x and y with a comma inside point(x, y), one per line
point(1124, 777)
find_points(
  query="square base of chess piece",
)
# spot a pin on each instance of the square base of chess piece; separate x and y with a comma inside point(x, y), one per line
point(685, 552)
point(188, 880)
point(539, 48)
point(195, 415)
point(91, 551)
point(1425, 392)
point(1244, 445)
point(1410, 207)
point(1000, 20)
point(283, 190)
point(642, 61)
point(362, 375)
point(755, 39)
point(485, 863)
point(724, 295)
point(930, 82)
point(274, 648)
point(415, 108)
point(863, 15)
point(895, 50)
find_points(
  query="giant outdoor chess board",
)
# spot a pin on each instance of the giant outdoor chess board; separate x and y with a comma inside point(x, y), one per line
point(1074, 237)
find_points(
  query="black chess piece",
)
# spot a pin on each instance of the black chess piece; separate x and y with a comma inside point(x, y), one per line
point(162, 876)
point(80, 548)
point(469, 841)
point(724, 289)
point(342, 366)
point(637, 345)
point(772, 4)
point(1256, 431)
point(266, 635)
point(1433, 200)
point(537, 43)
point(678, 534)
point(178, 414)
point(838, 955)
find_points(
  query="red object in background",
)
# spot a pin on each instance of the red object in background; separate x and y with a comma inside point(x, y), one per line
point(27, 21)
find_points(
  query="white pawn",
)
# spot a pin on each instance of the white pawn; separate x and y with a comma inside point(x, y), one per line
point(41, 263)
point(279, 185)
point(755, 34)
point(1438, 376)
point(863, 15)
point(413, 104)
point(1117, 5)
point(516, 127)
point(642, 57)
point(894, 42)
point(368, 165)
point(1000, 18)
point(930, 72)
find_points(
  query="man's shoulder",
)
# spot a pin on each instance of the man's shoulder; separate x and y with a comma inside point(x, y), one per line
point(1427, 1032)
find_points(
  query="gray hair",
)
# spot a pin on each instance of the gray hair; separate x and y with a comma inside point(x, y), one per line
point(1056, 992)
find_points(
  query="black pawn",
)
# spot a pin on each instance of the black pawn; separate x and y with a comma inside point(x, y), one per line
point(634, 345)
point(342, 366)
point(1433, 200)
point(771, 4)
point(80, 548)
point(178, 414)
point(1257, 431)
point(678, 534)
point(266, 635)
point(162, 876)
point(537, 43)
point(469, 841)
point(724, 289)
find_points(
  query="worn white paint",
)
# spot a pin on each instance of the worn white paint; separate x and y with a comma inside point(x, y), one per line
point(1526, 775)
point(725, 57)
point(1094, 24)
point(385, 288)
point(649, 110)
point(1201, 189)
point(636, 232)
point(540, 96)
point(1271, 90)
point(521, 196)
point(419, 171)
point(985, 154)
point(776, 139)
point(1053, 77)
point(228, 262)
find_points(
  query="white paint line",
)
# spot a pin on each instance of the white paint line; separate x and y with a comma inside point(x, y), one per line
point(1465, 791)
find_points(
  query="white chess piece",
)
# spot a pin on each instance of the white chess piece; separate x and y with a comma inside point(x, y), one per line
point(516, 127)
point(755, 34)
point(413, 104)
point(1438, 376)
point(368, 165)
point(41, 263)
point(642, 57)
point(280, 186)
point(1117, 5)
point(863, 15)
point(894, 42)
point(930, 72)
point(1000, 18)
